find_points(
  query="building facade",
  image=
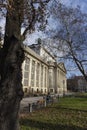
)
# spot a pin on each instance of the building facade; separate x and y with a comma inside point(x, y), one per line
point(77, 84)
point(82, 84)
point(41, 73)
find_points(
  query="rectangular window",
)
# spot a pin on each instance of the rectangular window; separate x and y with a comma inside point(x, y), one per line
point(37, 74)
point(26, 71)
point(27, 67)
point(41, 75)
point(51, 90)
point(45, 77)
point(33, 73)
point(26, 74)
point(25, 82)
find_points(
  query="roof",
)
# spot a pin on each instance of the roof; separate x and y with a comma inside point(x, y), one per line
point(40, 46)
point(34, 54)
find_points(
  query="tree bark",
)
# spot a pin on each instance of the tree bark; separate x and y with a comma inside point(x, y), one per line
point(11, 91)
point(11, 58)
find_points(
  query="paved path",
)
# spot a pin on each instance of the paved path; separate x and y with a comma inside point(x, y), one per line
point(25, 101)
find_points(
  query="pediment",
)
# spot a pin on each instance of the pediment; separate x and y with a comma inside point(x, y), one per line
point(62, 66)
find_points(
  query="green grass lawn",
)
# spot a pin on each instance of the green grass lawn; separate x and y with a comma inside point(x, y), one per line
point(66, 114)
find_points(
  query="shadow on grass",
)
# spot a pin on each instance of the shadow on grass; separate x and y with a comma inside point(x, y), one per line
point(47, 126)
point(69, 109)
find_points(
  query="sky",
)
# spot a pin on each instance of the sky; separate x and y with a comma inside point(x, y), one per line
point(31, 39)
point(73, 3)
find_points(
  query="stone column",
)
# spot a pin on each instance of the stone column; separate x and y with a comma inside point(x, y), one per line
point(56, 79)
point(35, 76)
point(65, 84)
point(43, 78)
point(23, 72)
point(47, 80)
point(30, 68)
point(51, 77)
point(40, 78)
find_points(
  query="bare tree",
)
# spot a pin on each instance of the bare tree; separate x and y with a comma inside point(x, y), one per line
point(70, 34)
point(19, 13)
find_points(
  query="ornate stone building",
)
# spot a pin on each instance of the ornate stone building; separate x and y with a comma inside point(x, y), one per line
point(41, 73)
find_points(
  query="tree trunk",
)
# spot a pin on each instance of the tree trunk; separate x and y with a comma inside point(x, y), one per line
point(11, 58)
point(10, 85)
